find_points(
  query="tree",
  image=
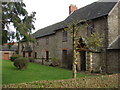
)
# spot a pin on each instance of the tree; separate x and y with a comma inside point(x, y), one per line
point(92, 43)
point(14, 13)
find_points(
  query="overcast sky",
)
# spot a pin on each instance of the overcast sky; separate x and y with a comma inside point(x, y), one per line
point(49, 12)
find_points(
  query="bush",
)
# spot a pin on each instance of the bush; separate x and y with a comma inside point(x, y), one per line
point(55, 62)
point(15, 56)
point(31, 59)
point(21, 63)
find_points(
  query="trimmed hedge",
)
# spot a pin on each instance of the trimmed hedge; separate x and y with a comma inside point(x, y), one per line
point(55, 62)
point(21, 63)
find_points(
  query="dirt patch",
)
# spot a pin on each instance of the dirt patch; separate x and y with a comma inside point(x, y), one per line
point(104, 81)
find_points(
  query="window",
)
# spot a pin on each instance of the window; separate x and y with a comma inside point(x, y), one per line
point(35, 55)
point(23, 54)
point(29, 54)
point(37, 43)
point(64, 57)
point(65, 36)
point(90, 30)
point(47, 40)
point(22, 47)
point(47, 55)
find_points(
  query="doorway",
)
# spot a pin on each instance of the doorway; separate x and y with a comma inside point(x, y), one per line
point(23, 54)
point(47, 55)
point(64, 58)
point(6, 56)
point(29, 54)
point(83, 60)
point(35, 56)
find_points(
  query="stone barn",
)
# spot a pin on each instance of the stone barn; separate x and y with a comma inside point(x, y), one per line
point(53, 43)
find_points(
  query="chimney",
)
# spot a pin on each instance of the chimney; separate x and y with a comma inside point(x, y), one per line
point(72, 8)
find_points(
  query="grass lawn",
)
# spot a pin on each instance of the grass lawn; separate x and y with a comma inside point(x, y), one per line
point(35, 72)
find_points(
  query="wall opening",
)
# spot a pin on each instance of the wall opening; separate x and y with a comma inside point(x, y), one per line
point(83, 60)
point(23, 54)
point(47, 55)
point(29, 54)
point(6, 56)
point(35, 56)
point(64, 57)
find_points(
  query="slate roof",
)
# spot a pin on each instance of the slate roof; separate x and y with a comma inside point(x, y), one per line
point(92, 11)
point(49, 30)
point(6, 48)
point(115, 44)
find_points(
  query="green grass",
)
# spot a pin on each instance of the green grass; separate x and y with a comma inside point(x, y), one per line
point(35, 72)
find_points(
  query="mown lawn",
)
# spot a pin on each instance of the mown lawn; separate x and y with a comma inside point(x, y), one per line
point(35, 72)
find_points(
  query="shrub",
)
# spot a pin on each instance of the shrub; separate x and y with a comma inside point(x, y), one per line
point(31, 59)
point(21, 63)
point(15, 56)
point(55, 62)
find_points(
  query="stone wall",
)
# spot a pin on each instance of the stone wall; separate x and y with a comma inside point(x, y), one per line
point(55, 48)
point(10, 53)
point(113, 32)
point(93, 61)
point(60, 46)
point(24, 44)
point(113, 23)
point(113, 62)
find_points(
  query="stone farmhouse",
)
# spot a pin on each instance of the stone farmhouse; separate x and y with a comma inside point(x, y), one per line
point(54, 43)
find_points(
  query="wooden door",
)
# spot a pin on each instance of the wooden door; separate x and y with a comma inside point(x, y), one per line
point(6, 56)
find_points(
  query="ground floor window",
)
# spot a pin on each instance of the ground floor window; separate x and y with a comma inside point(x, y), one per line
point(23, 54)
point(47, 55)
point(64, 56)
point(35, 56)
point(29, 54)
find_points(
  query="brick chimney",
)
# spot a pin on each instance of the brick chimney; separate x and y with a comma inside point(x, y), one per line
point(72, 8)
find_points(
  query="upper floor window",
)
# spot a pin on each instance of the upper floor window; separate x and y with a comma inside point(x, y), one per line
point(37, 43)
point(65, 36)
point(47, 40)
point(90, 29)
